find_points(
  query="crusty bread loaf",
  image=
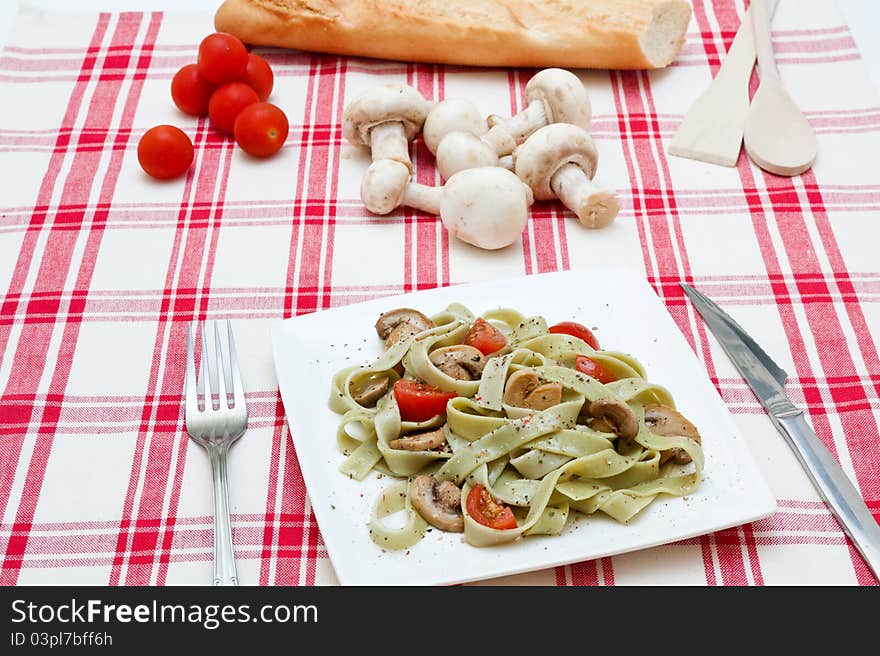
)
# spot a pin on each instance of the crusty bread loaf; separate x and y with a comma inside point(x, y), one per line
point(539, 33)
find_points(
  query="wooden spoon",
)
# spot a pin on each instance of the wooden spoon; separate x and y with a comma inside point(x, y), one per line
point(777, 136)
point(712, 130)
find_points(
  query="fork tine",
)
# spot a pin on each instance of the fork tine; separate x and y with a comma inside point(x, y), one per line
point(206, 372)
point(221, 370)
point(237, 387)
point(192, 397)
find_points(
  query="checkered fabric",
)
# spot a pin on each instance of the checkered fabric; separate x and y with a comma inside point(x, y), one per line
point(102, 268)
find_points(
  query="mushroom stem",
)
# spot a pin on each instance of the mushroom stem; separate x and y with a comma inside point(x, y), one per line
point(423, 197)
point(523, 124)
point(500, 140)
point(388, 141)
point(595, 206)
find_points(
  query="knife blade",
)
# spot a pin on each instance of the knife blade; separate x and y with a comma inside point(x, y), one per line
point(767, 380)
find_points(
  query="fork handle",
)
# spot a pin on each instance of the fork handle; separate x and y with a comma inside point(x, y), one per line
point(224, 554)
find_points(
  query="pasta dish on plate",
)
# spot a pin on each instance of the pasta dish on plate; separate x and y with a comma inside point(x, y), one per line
point(501, 427)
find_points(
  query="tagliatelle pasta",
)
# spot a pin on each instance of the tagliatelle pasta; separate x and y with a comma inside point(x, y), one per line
point(524, 428)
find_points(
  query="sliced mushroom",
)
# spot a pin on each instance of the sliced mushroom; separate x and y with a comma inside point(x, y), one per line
point(618, 414)
point(524, 390)
point(664, 421)
point(400, 332)
point(460, 361)
point(602, 425)
point(387, 321)
point(437, 503)
point(371, 392)
point(420, 441)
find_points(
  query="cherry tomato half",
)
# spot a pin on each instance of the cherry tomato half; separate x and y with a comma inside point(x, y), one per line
point(486, 510)
point(222, 58)
point(261, 129)
point(418, 401)
point(165, 152)
point(578, 330)
point(594, 370)
point(227, 102)
point(485, 337)
point(258, 75)
point(190, 91)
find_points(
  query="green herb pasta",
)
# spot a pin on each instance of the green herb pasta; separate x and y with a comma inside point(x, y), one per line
point(499, 428)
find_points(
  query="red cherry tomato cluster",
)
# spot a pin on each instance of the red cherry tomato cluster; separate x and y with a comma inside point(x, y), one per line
point(229, 85)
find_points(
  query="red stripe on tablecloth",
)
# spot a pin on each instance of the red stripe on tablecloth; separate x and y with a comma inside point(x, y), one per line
point(859, 424)
point(40, 210)
point(325, 85)
point(279, 436)
point(12, 445)
point(292, 567)
point(54, 270)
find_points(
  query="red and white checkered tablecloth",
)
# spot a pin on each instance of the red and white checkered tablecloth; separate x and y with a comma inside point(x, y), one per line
point(101, 269)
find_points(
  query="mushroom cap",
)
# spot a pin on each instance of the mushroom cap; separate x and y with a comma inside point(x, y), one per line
point(523, 389)
point(389, 102)
point(387, 321)
point(618, 414)
point(452, 115)
point(564, 97)
point(435, 502)
point(459, 361)
point(666, 421)
point(461, 150)
point(486, 206)
point(541, 155)
point(384, 185)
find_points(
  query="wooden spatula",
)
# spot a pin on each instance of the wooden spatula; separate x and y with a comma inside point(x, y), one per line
point(712, 131)
point(777, 136)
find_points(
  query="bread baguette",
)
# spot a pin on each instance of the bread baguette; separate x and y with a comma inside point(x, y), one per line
point(627, 34)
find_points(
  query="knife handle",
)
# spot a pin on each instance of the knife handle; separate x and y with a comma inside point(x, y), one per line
point(834, 486)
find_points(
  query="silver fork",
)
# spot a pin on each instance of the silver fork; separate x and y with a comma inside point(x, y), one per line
point(215, 429)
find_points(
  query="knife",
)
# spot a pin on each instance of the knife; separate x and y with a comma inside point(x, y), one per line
point(767, 380)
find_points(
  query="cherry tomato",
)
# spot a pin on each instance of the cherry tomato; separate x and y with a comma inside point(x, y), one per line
point(222, 58)
point(190, 91)
point(486, 510)
point(261, 129)
point(594, 370)
point(165, 152)
point(485, 337)
point(258, 75)
point(226, 104)
point(418, 401)
point(578, 330)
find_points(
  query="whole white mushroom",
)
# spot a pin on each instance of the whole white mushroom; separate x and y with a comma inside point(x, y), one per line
point(554, 95)
point(560, 161)
point(459, 137)
point(487, 206)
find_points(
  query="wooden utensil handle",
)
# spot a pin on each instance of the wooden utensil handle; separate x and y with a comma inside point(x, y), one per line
point(763, 39)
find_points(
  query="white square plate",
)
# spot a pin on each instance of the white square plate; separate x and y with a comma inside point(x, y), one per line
point(309, 349)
